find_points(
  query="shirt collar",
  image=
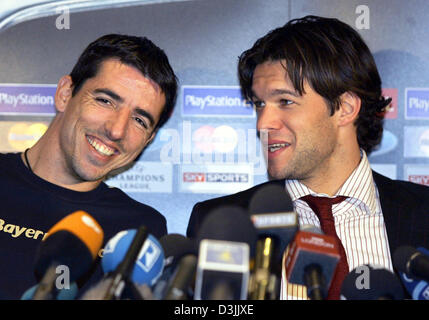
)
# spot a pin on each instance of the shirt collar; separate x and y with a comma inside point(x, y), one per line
point(359, 185)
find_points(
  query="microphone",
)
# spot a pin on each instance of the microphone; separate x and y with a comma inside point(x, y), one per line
point(273, 215)
point(66, 253)
point(418, 289)
point(369, 282)
point(311, 261)
point(412, 262)
point(226, 240)
point(131, 257)
point(180, 267)
point(63, 294)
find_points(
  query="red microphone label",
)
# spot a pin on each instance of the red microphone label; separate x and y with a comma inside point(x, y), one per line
point(309, 247)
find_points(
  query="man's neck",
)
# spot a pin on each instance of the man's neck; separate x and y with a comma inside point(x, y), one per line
point(330, 181)
point(44, 162)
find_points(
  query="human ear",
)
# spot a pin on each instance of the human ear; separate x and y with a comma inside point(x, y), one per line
point(350, 105)
point(63, 93)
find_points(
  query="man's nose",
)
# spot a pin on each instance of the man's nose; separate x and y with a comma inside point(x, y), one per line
point(117, 125)
point(268, 119)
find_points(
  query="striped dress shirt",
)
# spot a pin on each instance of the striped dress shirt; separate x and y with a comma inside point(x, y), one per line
point(358, 220)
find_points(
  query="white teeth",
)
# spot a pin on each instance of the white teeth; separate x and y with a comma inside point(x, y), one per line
point(276, 146)
point(100, 148)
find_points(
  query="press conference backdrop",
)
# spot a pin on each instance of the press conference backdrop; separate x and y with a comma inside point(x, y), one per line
point(209, 147)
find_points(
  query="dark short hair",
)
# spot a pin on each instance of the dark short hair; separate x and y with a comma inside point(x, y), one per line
point(332, 57)
point(138, 52)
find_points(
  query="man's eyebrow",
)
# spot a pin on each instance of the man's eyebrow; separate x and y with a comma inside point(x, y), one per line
point(118, 98)
point(110, 93)
point(278, 92)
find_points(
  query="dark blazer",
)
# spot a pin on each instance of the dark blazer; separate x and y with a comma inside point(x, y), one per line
point(405, 208)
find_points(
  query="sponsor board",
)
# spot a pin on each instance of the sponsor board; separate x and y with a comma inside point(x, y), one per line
point(388, 170)
point(392, 110)
point(27, 99)
point(388, 143)
point(417, 173)
point(144, 176)
point(20, 135)
point(211, 143)
point(215, 101)
point(416, 142)
point(417, 103)
point(218, 179)
point(214, 137)
point(221, 138)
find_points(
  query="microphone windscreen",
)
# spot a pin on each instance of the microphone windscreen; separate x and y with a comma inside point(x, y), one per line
point(84, 227)
point(150, 260)
point(270, 199)
point(176, 246)
point(28, 294)
point(417, 288)
point(309, 250)
point(74, 242)
point(63, 294)
point(371, 283)
point(401, 258)
point(273, 215)
point(229, 223)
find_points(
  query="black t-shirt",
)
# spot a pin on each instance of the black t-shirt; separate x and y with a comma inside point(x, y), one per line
point(30, 206)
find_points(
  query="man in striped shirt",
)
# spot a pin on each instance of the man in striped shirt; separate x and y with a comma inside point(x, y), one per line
point(317, 94)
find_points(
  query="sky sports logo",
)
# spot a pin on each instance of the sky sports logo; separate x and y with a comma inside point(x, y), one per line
point(215, 101)
point(221, 177)
point(419, 178)
point(417, 173)
point(216, 178)
point(27, 99)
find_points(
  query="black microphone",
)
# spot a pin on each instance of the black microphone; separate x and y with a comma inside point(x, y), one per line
point(227, 240)
point(273, 215)
point(132, 261)
point(311, 261)
point(120, 276)
point(179, 269)
point(412, 262)
point(369, 282)
point(418, 289)
point(67, 253)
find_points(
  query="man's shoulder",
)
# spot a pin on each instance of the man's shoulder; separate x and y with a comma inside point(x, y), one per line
point(400, 187)
point(241, 199)
point(8, 158)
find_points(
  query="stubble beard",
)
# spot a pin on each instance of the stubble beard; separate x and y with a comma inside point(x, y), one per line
point(303, 166)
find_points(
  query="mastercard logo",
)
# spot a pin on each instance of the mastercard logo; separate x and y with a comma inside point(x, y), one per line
point(24, 135)
point(222, 139)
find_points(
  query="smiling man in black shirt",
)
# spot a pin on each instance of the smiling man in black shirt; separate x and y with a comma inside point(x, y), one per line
point(109, 108)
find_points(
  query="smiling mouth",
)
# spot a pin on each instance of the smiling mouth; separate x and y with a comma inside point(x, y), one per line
point(277, 146)
point(100, 148)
